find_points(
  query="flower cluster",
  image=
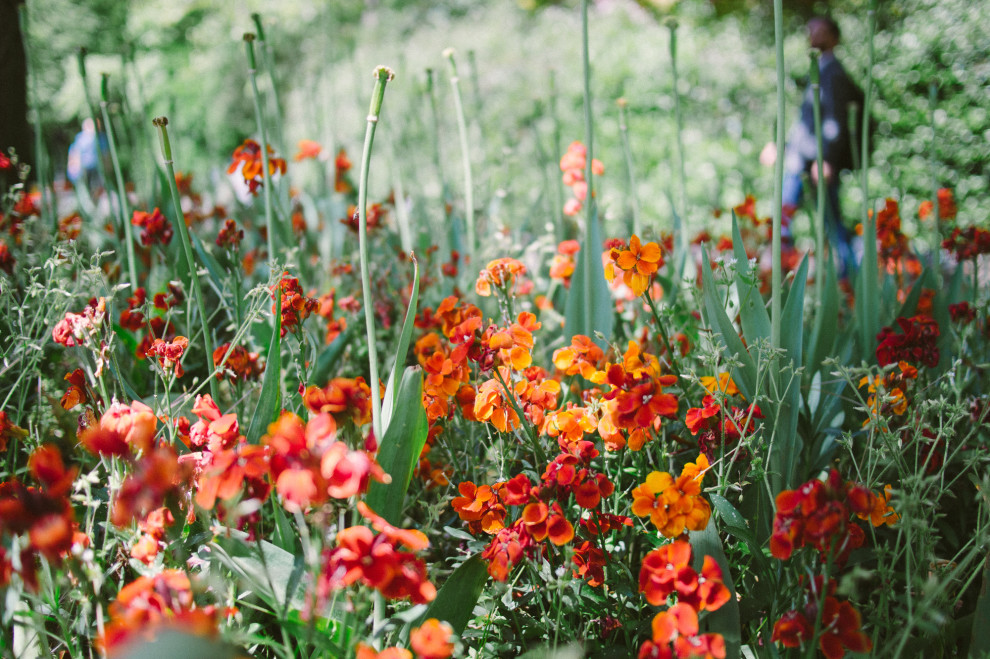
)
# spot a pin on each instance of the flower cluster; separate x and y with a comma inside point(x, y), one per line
point(43, 514)
point(249, 159)
point(946, 206)
point(573, 164)
point(665, 572)
point(169, 353)
point(431, 640)
point(637, 263)
point(887, 395)
point(75, 328)
point(840, 624)
point(968, 243)
point(149, 604)
point(376, 560)
point(674, 505)
point(893, 248)
point(237, 363)
point(916, 345)
point(501, 274)
point(296, 306)
point(348, 400)
point(154, 227)
point(817, 515)
point(719, 426)
point(563, 264)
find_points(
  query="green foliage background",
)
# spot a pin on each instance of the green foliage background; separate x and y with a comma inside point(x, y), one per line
point(185, 59)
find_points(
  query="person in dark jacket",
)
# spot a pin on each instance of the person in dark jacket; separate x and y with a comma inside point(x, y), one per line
point(837, 93)
point(14, 130)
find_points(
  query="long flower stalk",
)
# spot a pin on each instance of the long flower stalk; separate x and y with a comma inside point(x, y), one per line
point(383, 75)
point(263, 136)
point(122, 206)
point(589, 140)
point(266, 57)
point(465, 156)
point(936, 218)
point(869, 291)
point(778, 181)
point(81, 58)
point(630, 171)
point(820, 208)
point(162, 124)
point(680, 232)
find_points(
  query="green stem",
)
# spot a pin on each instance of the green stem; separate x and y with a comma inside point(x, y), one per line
point(936, 219)
point(778, 180)
point(42, 173)
point(589, 140)
point(122, 206)
point(870, 290)
point(180, 223)
point(465, 157)
point(679, 231)
point(382, 76)
point(558, 211)
point(633, 198)
point(819, 149)
point(266, 56)
point(262, 135)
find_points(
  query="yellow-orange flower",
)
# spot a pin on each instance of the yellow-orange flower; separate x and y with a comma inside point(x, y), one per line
point(674, 505)
point(637, 262)
point(500, 273)
point(881, 512)
point(431, 640)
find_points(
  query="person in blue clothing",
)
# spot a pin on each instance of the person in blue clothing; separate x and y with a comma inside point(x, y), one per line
point(837, 93)
point(84, 154)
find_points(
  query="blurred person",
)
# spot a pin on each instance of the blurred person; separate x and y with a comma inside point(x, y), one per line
point(84, 155)
point(837, 93)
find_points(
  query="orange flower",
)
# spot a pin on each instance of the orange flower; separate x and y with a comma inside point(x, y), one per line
point(674, 505)
point(342, 165)
point(490, 404)
point(248, 158)
point(722, 382)
point(431, 640)
point(583, 357)
point(500, 273)
point(880, 512)
point(480, 507)
point(638, 264)
point(308, 149)
point(170, 353)
point(363, 651)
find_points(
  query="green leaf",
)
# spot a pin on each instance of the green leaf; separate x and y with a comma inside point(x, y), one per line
point(868, 294)
point(787, 446)
point(826, 326)
point(400, 448)
point(752, 309)
point(979, 646)
point(727, 511)
point(328, 358)
point(212, 266)
point(458, 596)
point(589, 303)
point(170, 644)
point(271, 572)
point(718, 321)
point(391, 392)
point(271, 388)
point(725, 620)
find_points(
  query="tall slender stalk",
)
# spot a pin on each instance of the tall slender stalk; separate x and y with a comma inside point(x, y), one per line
point(122, 206)
point(680, 231)
point(383, 75)
point(820, 156)
point(633, 197)
point(41, 167)
point(936, 218)
point(465, 156)
point(266, 57)
point(869, 291)
point(589, 140)
point(161, 123)
point(561, 219)
point(778, 180)
point(263, 136)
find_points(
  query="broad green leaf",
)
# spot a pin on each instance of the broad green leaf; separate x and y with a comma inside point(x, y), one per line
point(569, 651)
point(718, 321)
point(170, 644)
point(391, 392)
point(458, 596)
point(787, 442)
point(735, 524)
point(271, 572)
point(727, 511)
point(868, 294)
point(400, 448)
point(725, 620)
point(271, 388)
point(826, 325)
point(752, 309)
point(980, 644)
point(589, 308)
point(212, 266)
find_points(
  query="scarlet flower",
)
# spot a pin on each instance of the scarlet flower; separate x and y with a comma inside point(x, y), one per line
point(792, 630)
point(239, 365)
point(590, 562)
point(9, 431)
point(296, 306)
point(170, 353)
point(348, 399)
point(916, 345)
point(122, 429)
point(248, 157)
point(541, 524)
point(296, 451)
point(7, 261)
point(431, 640)
point(341, 166)
point(946, 206)
point(155, 228)
point(508, 547)
point(230, 236)
point(75, 328)
point(667, 570)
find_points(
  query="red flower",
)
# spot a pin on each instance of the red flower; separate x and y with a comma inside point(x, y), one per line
point(155, 228)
